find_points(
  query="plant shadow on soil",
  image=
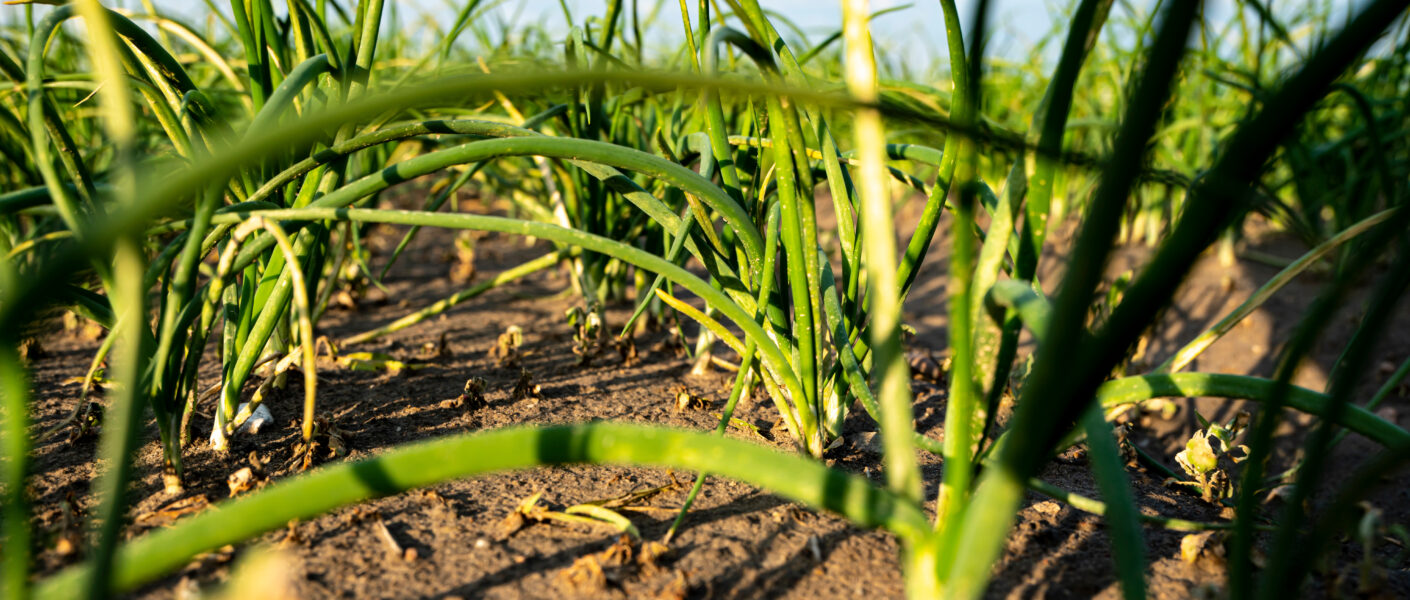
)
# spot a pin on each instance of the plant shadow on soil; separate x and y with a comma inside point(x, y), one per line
point(738, 541)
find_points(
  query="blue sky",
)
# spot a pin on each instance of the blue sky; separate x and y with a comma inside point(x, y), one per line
point(912, 33)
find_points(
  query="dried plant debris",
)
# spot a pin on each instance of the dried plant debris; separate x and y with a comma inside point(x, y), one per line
point(527, 511)
point(438, 506)
point(378, 361)
point(585, 576)
point(638, 498)
point(328, 439)
point(171, 511)
point(86, 421)
point(241, 481)
point(472, 398)
point(685, 400)
point(525, 388)
point(360, 514)
point(248, 478)
point(678, 588)
point(791, 514)
point(619, 564)
point(626, 349)
point(1129, 455)
point(530, 511)
point(506, 349)
point(589, 336)
point(512, 523)
point(437, 350)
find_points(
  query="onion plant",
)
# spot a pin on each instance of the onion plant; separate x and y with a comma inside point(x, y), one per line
point(218, 198)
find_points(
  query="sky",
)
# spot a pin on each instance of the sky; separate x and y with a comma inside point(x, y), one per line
point(914, 30)
point(913, 33)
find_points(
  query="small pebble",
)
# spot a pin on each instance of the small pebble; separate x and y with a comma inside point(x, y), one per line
point(482, 543)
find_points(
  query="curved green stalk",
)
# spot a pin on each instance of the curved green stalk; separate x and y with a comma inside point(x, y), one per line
point(202, 46)
point(44, 126)
point(1387, 388)
point(599, 158)
point(168, 187)
point(435, 461)
point(963, 400)
point(796, 188)
point(166, 365)
point(280, 284)
point(282, 99)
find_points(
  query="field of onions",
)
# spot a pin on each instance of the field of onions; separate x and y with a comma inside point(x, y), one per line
point(313, 299)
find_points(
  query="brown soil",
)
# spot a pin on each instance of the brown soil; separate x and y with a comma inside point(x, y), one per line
point(739, 541)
